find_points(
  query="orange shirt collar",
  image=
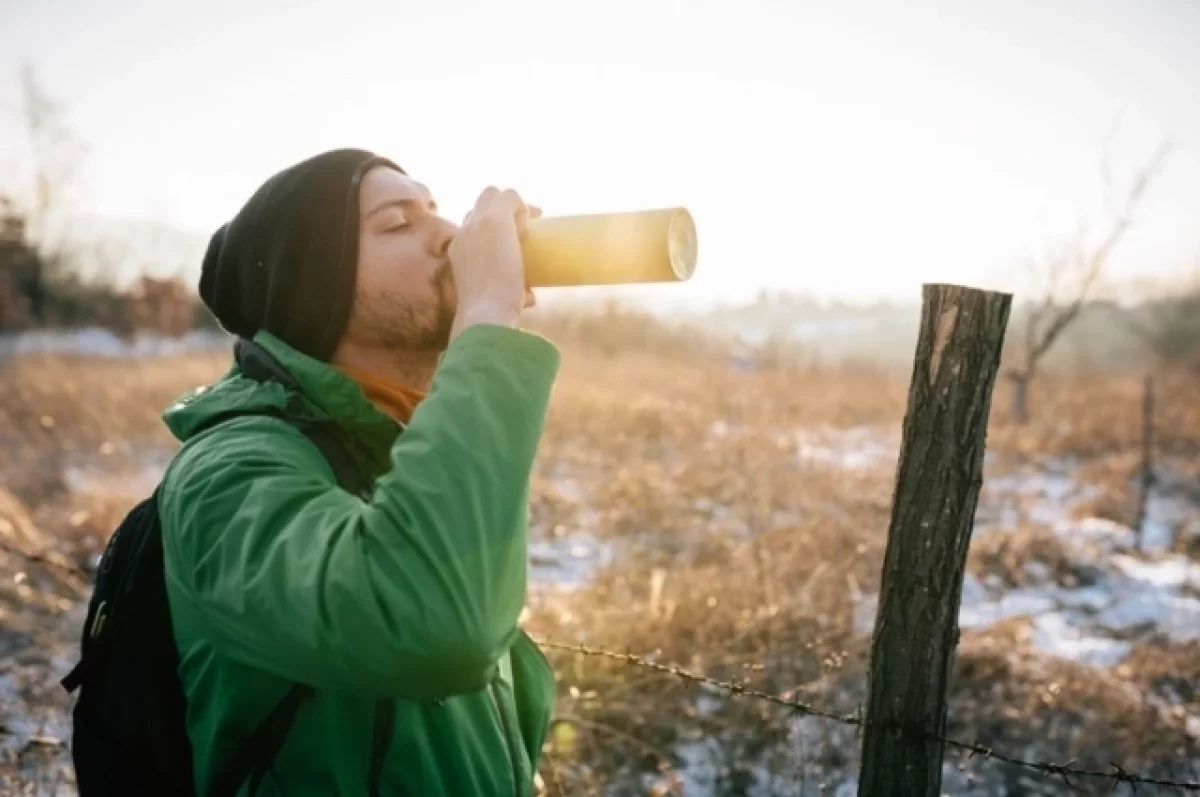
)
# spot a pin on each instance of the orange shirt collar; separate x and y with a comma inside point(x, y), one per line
point(392, 399)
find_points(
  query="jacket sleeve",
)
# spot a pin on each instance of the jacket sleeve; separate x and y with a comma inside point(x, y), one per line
point(415, 594)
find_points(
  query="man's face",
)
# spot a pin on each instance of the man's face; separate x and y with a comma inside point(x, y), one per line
point(404, 299)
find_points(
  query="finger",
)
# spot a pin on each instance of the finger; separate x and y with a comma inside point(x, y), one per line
point(534, 211)
point(510, 202)
point(486, 198)
point(522, 220)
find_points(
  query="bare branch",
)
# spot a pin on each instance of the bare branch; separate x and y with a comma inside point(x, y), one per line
point(1049, 320)
point(55, 153)
point(1106, 160)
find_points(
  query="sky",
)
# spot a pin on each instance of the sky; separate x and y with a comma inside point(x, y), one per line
point(849, 150)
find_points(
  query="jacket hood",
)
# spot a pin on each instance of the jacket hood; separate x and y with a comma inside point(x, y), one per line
point(319, 393)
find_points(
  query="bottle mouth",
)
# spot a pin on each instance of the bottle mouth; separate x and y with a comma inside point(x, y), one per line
point(682, 246)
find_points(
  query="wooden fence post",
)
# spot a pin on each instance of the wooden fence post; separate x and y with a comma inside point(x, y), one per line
point(1147, 470)
point(937, 488)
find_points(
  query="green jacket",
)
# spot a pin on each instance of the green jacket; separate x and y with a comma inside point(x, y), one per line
point(276, 576)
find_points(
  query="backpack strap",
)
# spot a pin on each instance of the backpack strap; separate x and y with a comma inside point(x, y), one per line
point(260, 748)
point(257, 363)
point(254, 757)
point(346, 469)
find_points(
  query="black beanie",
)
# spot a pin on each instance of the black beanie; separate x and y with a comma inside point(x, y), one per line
point(287, 262)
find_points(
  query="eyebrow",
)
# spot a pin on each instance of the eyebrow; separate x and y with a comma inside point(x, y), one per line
point(432, 206)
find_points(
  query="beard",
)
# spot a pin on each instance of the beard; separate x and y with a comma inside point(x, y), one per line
point(409, 326)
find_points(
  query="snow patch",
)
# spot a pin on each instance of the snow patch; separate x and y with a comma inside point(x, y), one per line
point(97, 342)
point(858, 448)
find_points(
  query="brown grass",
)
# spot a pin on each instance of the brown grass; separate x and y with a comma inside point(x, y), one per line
point(690, 466)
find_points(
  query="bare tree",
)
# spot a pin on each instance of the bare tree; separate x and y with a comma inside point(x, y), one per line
point(55, 154)
point(83, 274)
point(1070, 272)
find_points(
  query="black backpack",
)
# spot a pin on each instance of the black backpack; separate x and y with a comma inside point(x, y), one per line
point(129, 737)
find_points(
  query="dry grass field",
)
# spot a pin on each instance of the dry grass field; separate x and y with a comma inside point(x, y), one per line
point(728, 518)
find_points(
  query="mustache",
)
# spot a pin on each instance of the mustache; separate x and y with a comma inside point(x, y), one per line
point(443, 276)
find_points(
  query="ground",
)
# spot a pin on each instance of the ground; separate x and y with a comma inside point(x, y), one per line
point(726, 515)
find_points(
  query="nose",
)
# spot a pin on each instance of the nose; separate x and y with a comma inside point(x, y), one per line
point(444, 234)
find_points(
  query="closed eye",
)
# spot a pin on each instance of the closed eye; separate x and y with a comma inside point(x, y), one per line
point(395, 221)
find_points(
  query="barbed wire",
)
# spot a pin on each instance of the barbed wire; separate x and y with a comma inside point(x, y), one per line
point(1117, 775)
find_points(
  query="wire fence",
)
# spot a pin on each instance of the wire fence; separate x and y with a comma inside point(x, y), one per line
point(1117, 775)
point(1066, 771)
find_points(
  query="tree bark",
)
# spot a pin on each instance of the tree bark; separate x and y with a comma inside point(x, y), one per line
point(937, 488)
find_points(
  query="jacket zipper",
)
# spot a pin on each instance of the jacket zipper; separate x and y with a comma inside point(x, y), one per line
point(381, 740)
point(516, 778)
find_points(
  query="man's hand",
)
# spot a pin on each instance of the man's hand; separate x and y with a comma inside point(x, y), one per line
point(485, 258)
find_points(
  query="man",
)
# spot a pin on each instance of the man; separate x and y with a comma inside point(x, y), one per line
point(399, 608)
